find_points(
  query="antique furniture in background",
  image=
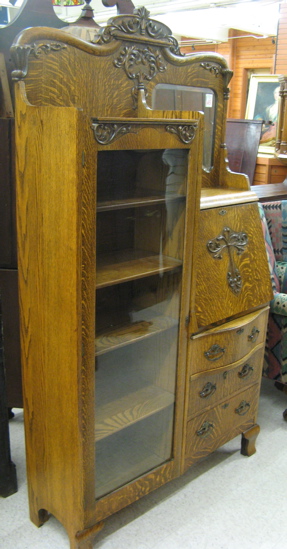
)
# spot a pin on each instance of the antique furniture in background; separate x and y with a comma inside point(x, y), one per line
point(269, 170)
point(242, 141)
point(33, 13)
point(8, 477)
point(273, 215)
point(143, 278)
point(275, 191)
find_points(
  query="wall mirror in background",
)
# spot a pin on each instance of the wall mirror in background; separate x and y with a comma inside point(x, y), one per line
point(9, 9)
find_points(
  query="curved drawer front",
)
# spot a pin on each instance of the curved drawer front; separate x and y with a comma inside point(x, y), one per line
point(232, 269)
point(213, 428)
point(228, 343)
point(207, 389)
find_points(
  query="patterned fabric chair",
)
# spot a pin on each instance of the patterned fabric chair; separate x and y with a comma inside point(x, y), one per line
point(274, 222)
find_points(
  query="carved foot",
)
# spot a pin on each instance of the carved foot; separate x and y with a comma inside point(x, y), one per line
point(248, 440)
point(84, 539)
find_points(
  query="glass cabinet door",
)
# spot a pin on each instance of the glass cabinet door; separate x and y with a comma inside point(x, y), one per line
point(140, 237)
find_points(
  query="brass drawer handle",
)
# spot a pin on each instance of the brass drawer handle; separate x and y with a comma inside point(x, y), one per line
point(243, 408)
point(208, 390)
point(254, 335)
point(205, 429)
point(246, 371)
point(214, 353)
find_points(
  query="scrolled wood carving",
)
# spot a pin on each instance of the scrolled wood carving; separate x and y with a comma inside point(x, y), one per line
point(140, 64)
point(185, 132)
point(139, 27)
point(20, 55)
point(107, 133)
point(216, 70)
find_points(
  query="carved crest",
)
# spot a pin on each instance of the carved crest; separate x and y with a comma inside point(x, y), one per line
point(140, 28)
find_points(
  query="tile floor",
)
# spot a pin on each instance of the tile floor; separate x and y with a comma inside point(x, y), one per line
point(227, 501)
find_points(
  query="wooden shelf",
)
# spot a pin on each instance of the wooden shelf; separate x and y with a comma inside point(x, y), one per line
point(124, 456)
point(129, 409)
point(122, 266)
point(137, 202)
point(119, 336)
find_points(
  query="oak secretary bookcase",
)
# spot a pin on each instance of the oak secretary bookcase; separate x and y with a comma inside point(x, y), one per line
point(143, 278)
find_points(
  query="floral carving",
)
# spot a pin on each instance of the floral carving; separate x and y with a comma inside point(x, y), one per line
point(106, 133)
point(20, 55)
point(185, 132)
point(139, 25)
point(140, 64)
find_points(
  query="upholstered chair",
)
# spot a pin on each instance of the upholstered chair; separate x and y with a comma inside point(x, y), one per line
point(274, 223)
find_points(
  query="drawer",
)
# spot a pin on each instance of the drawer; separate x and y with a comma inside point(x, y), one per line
point(228, 343)
point(214, 427)
point(207, 390)
point(232, 269)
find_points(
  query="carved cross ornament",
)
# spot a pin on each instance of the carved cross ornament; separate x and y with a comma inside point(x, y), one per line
point(230, 242)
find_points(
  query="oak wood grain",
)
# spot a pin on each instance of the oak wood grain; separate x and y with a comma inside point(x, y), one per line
point(233, 339)
point(214, 296)
point(223, 422)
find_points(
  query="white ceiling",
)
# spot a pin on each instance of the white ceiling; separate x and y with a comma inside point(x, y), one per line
point(200, 19)
point(206, 20)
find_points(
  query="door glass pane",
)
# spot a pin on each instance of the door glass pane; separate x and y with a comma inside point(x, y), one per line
point(140, 229)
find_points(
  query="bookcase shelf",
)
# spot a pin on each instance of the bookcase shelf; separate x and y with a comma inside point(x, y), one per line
point(129, 409)
point(121, 266)
point(137, 202)
point(119, 336)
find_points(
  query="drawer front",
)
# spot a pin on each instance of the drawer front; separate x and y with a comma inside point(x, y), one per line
point(214, 427)
point(207, 389)
point(228, 343)
point(232, 269)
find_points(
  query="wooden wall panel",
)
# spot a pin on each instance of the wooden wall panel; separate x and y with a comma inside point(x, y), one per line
point(281, 58)
point(242, 54)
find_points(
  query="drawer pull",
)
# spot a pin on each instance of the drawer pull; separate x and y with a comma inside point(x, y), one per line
point(246, 371)
point(207, 390)
point(243, 408)
point(214, 353)
point(254, 335)
point(205, 429)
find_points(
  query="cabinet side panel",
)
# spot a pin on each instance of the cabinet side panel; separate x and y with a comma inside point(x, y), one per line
point(49, 233)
